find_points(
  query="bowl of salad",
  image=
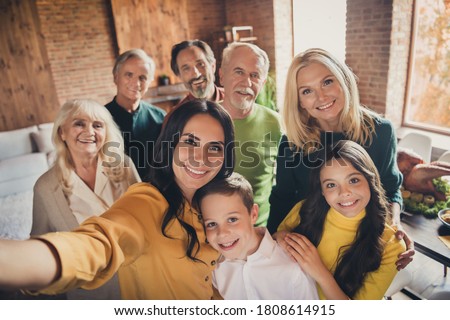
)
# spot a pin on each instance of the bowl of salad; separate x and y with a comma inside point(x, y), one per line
point(444, 216)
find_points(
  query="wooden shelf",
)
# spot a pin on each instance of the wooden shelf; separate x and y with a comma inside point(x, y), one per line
point(247, 39)
point(243, 34)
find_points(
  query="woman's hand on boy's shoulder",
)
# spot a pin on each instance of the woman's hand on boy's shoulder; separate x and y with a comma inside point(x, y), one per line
point(405, 257)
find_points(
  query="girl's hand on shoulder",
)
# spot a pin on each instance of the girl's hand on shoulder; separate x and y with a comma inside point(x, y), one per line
point(306, 255)
point(279, 237)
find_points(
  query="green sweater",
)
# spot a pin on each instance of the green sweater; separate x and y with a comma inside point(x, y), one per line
point(257, 138)
point(293, 170)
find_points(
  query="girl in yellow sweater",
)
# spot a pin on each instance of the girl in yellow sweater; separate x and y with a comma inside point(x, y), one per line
point(339, 235)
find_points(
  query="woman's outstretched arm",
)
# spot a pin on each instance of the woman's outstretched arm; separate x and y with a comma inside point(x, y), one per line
point(30, 264)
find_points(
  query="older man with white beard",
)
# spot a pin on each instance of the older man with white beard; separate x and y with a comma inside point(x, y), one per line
point(194, 63)
point(257, 129)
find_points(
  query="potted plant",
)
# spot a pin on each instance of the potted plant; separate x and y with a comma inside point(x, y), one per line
point(267, 95)
point(163, 80)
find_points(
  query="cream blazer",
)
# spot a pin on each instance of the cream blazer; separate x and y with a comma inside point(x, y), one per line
point(51, 213)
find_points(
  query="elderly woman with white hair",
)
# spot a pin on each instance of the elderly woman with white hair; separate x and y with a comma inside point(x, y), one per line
point(90, 173)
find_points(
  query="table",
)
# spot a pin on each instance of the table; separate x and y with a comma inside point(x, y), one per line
point(425, 234)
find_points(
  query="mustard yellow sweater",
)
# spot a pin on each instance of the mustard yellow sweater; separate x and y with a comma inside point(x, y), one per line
point(127, 238)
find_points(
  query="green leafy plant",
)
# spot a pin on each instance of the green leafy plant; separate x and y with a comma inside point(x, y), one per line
point(441, 185)
point(268, 95)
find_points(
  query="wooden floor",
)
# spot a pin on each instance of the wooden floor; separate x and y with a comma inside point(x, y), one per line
point(427, 280)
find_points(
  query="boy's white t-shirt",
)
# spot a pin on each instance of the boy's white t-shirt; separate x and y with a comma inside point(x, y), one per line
point(267, 274)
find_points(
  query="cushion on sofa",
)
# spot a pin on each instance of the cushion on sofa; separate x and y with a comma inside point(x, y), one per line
point(16, 142)
point(29, 165)
point(21, 173)
point(43, 139)
point(17, 186)
point(47, 125)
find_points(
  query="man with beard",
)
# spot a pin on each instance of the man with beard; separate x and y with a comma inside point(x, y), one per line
point(257, 129)
point(194, 63)
point(139, 121)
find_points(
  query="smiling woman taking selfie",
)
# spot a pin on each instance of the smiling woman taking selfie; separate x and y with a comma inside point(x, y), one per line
point(151, 236)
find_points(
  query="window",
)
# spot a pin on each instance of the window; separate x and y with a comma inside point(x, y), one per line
point(428, 96)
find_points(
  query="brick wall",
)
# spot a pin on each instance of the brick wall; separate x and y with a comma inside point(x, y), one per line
point(368, 41)
point(256, 13)
point(80, 46)
point(205, 18)
point(377, 40)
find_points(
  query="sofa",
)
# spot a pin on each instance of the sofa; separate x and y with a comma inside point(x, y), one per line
point(25, 154)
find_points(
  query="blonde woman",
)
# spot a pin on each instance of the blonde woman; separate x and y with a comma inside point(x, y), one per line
point(89, 175)
point(322, 107)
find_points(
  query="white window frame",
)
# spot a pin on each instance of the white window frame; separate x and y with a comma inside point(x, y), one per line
point(411, 65)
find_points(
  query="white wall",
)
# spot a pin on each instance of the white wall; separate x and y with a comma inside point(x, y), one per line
point(320, 24)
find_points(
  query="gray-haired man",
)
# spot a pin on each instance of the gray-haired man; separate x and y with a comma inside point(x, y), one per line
point(139, 121)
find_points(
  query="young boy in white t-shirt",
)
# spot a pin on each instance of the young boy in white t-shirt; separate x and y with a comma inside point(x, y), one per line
point(252, 265)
